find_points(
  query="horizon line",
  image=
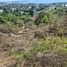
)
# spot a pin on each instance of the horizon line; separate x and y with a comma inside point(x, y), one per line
point(31, 2)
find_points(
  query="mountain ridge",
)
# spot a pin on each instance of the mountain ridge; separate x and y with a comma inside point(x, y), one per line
point(26, 1)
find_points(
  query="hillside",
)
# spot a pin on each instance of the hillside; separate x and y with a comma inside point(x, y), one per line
point(33, 40)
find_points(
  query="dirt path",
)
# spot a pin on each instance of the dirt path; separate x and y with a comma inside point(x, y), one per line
point(5, 60)
point(22, 40)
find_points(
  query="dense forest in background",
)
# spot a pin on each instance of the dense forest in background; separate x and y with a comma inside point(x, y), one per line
point(33, 35)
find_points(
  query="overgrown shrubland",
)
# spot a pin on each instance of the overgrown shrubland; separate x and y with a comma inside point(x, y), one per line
point(48, 38)
point(51, 46)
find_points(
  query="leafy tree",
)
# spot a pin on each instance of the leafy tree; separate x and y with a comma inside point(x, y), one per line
point(31, 11)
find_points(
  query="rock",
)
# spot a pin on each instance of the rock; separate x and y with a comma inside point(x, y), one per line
point(39, 54)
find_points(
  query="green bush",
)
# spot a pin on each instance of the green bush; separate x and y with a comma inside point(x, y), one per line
point(54, 45)
point(2, 20)
point(47, 17)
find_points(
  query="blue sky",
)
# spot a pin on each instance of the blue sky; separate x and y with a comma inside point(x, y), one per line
point(40, 1)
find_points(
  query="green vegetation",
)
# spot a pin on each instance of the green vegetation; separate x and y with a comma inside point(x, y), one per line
point(32, 38)
point(15, 23)
point(50, 45)
point(54, 45)
point(47, 17)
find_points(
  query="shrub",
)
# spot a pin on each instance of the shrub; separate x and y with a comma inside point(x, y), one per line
point(2, 20)
point(47, 17)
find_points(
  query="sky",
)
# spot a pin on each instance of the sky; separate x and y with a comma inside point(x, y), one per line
point(37, 1)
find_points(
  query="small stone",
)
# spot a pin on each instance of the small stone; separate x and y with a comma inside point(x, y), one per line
point(39, 54)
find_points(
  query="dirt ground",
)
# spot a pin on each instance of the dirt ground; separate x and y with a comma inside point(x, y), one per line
point(23, 40)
